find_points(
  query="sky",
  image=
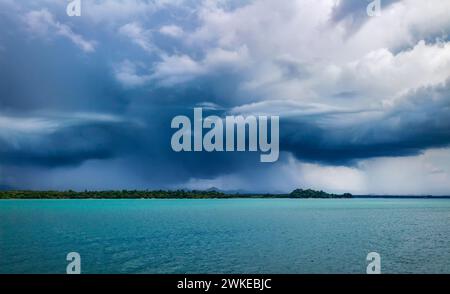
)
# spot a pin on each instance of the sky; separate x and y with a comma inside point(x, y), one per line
point(364, 101)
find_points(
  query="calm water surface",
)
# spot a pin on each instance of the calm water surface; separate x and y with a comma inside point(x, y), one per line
point(225, 236)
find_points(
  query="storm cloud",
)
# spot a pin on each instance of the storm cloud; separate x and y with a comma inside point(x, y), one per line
point(88, 100)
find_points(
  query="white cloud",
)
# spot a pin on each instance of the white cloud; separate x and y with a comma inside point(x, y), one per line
point(127, 74)
point(381, 74)
point(171, 31)
point(210, 106)
point(50, 122)
point(43, 23)
point(26, 125)
point(402, 24)
point(176, 69)
point(292, 50)
point(138, 36)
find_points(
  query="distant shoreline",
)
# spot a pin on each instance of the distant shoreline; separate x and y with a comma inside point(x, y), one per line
point(163, 194)
point(183, 194)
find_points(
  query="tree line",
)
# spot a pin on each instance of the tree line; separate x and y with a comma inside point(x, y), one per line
point(161, 194)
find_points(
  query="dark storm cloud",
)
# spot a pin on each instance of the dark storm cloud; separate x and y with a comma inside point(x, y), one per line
point(41, 75)
point(419, 122)
point(225, 64)
point(69, 145)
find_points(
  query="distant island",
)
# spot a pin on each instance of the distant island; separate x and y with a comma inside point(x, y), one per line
point(164, 194)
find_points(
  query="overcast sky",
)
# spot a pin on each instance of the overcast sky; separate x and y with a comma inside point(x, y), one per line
point(364, 102)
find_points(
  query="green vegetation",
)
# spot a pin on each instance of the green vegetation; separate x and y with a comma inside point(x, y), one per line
point(178, 194)
point(299, 193)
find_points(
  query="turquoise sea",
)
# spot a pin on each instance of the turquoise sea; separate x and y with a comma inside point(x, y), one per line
point(225, 236)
